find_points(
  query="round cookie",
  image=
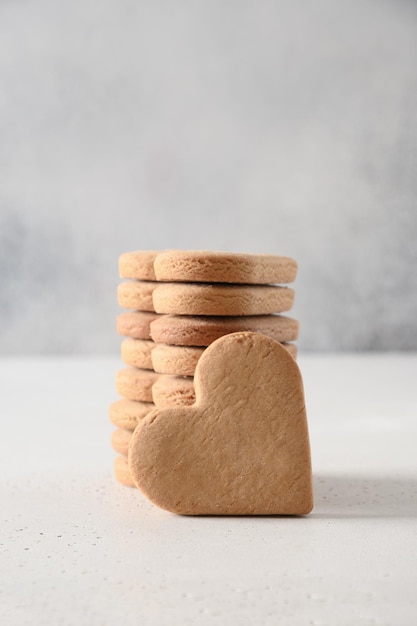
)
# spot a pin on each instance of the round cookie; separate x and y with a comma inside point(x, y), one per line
point(198, 299)
point(223, 267)
point(136, 325)
point(138, 265)
point(177, 360)
point(137, 352)
point(207, 266)
point(136, 384)
point(127, 414)
point(173, 391)
point(136, 294)
point(120, 440)
point(122, 472)
point(182, 360)
point(202, 331)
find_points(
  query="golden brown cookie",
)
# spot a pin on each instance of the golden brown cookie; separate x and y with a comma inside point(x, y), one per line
point(202, 331)
point(136, 384)
point(176, 360)
point(127, 414)
point(182, 360)
point(242, 448)
point(122, 472)
point(173, 391)
point(199, 299)
point(136, 294)
point(138, 264)
point(207, 267)
point(137, 352)
point(136, 325)
point(120, 440)
point(203, 299)
point(223, 267)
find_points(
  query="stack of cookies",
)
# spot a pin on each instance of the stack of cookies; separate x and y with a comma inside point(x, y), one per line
point(179, 303)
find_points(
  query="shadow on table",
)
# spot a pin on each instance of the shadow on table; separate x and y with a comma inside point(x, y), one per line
point(364, 496)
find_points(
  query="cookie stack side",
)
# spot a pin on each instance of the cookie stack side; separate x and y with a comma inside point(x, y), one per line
point(178, 303)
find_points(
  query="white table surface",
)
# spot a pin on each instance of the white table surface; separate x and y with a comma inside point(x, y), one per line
point(78, 548)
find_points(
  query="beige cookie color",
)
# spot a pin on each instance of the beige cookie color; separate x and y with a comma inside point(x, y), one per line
point(122, 472)
point(127, 414)
point(136, 325)
point(198, 299)
point(182, 360)
point(176, 360)
point(202, 331)
point(204, 299)
point(173, 391)
point(207, 267)
point(120, 440)
point(223, 267)
point(139, 265)
point(137, 352)
point(242, 448)
point(136, 384)
point(136, 294)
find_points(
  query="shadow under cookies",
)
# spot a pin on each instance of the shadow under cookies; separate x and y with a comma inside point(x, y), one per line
point(346, 496)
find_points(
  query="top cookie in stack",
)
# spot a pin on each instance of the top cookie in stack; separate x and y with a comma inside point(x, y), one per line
point(182, 301)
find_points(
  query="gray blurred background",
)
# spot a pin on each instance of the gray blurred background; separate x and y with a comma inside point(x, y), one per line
point(273, 127)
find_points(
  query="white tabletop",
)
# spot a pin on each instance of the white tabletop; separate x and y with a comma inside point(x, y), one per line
point(77, 548)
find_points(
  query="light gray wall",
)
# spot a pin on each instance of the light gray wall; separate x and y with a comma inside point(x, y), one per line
point(275, 127)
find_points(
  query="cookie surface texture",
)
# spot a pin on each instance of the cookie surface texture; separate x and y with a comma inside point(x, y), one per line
point(188, 330)
point(138, 265)
point(120, 441)
point(136, 384)
point(122, 472)
point(242, 448)
point(200, 299)
point(137, 352)
point(182, 360)
point(173, 391)
point(223, 267)
point(136, 294)
point(127, 414)
point(177, 360)
point(136, 325)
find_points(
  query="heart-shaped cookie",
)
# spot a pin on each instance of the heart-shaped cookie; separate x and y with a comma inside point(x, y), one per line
point(242, 448)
